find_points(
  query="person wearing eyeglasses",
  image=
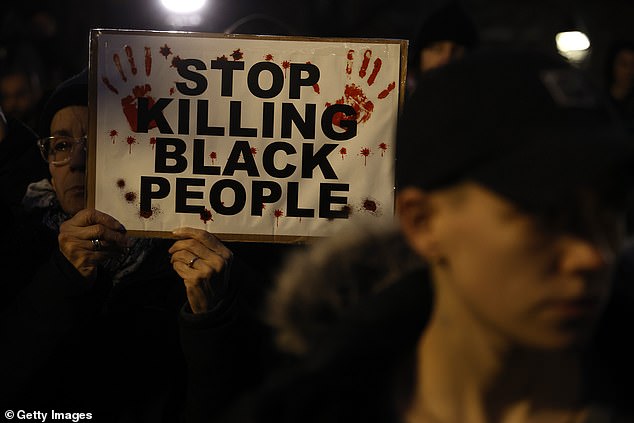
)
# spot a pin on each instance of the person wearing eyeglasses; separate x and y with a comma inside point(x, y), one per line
point(94, 326)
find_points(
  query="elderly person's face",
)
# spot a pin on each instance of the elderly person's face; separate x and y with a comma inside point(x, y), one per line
point(68, 179)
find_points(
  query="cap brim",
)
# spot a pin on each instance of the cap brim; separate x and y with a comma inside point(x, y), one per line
point(544, 174)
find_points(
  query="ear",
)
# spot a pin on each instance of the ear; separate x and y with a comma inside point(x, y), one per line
point(416, 211)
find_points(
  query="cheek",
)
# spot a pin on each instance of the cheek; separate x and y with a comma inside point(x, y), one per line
point(58, 178)
point(432, 59)
point(494, 268)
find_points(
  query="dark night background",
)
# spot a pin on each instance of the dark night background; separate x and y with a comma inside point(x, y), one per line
point(58, 29)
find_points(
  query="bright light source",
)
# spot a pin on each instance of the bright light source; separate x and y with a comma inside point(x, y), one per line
point(183, 6)
point(572, 41)
point(573, 45)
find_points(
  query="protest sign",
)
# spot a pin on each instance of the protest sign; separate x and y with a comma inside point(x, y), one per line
point(254, 138)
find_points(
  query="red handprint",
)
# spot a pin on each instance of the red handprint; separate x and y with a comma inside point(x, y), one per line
point(353, 93)
point(129, 103)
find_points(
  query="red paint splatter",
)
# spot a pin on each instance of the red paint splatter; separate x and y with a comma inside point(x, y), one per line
point(375, 70)
point(383, 147)
point(343, 151)
point(285, 65)
point(165, 51)
point(148, 61)
point(175, 61)
point(278, 213)
point(354, 95)
point(387, 91)
point(349, 62)
point(268, 57)
point(130, 197)
point(111, 87)
point(147, 214)
point(117, 63)
point(370, 205)
point(128, 52)
point(131, 140)
point(206, 216)
point(356, 98)
point(113, 135)
point(222, 58)
point(366, 61)
point(172, 90)
point(121, 183)
point(365, 152)
point(153, 142)
point(254, 151)
point(130, 102)
point(237, 54)
point(213, 156)
point(263, 206)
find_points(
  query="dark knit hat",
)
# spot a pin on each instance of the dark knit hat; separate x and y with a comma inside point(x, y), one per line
point(522, 123)
point(72, 92)
point(448, 23)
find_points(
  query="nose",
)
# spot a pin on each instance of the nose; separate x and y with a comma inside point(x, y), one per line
point(78, 157)
point(581, 255)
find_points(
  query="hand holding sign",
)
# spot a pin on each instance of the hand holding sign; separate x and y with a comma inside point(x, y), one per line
point(89, 238)
point(204, 263)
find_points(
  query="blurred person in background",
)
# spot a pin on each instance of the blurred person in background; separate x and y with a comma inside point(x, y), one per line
point(21, 94)
point(619, 78)
point(512, 175)
point(447, 34)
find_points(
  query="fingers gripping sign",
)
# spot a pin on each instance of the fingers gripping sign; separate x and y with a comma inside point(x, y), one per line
point(204, 264)
point(89, 238)
point(360, 91)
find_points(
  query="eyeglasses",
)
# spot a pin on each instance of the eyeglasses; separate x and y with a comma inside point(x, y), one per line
point(58, 150)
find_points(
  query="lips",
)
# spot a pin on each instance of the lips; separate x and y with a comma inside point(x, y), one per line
point(575, 308)
point(75, 189)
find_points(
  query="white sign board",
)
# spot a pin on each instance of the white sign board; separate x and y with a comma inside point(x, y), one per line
point(249, 137)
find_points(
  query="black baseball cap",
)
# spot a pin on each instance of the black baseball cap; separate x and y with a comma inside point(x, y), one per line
point(523, 123)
